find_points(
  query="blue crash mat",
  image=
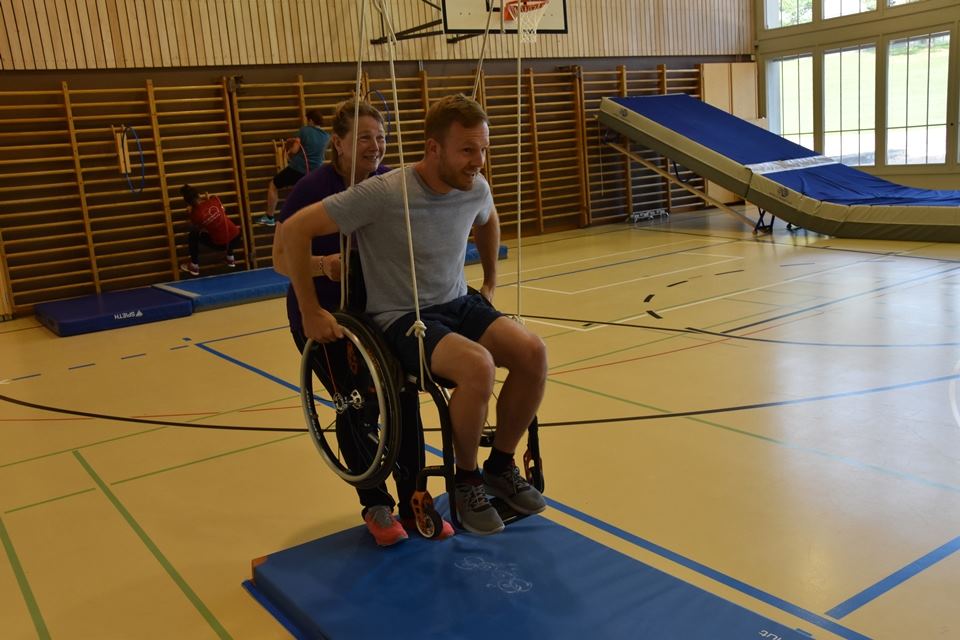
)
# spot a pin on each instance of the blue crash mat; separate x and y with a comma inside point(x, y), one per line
point(229, 289)
point(537, 579)
point(473, 256)
point(110, 310)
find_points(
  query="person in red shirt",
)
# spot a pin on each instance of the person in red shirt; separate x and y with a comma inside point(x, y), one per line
point(210, 225)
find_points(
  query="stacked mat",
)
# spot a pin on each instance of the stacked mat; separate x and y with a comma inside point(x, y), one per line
point(792, 182)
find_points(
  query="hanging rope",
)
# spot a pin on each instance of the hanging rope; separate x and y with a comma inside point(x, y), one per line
point(519, 171)
point(483, 51)
point(418, 328)
point(346, 244)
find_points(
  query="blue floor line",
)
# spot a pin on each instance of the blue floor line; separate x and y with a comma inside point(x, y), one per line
point(260, 372)
point(243, 335)
point(894, 579)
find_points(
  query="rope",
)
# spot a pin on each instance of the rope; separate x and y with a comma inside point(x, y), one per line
point(519, 173)
point(418, 328)
point(346, 245)
point(483, 51)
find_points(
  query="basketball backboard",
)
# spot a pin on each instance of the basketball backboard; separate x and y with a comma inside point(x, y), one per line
point(470, 16)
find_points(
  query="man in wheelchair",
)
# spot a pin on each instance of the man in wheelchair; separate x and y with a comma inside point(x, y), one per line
point(466, 338)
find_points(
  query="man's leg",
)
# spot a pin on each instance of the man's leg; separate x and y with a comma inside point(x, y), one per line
point(524, 356)
point(471, 368)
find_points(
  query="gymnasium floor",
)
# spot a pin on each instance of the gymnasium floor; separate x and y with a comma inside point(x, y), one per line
point(796, 448)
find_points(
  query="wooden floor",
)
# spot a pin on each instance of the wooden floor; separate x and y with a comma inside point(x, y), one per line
point(771, 419)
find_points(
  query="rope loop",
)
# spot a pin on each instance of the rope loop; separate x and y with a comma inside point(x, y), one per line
point(418, 329)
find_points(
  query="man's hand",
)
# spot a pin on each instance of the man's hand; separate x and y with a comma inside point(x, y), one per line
point(331, 266)
point(321, 326)
point(487, 292)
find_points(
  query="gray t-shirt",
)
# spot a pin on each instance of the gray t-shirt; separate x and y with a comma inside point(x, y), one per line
point(440, 223)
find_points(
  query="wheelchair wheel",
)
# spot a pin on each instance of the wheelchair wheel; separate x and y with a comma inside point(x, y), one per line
point(364, 381)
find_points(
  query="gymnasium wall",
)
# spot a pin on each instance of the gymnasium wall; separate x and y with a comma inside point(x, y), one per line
point(72, 224)
point(127, 34)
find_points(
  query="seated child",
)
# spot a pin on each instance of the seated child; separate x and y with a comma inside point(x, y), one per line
point(209, 225)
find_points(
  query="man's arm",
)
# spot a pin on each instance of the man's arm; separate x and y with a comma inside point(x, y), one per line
point(295, 247)
point(487, 236)
point(319, 265)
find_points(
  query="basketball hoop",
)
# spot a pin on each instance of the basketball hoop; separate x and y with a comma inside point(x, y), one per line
point(528, 14)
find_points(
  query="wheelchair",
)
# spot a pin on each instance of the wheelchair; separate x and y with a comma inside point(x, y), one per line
point(367, 383)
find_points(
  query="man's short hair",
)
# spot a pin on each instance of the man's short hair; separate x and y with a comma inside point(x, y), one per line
point(457, 108)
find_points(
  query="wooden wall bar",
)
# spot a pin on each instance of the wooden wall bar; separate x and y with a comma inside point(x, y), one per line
point(71, 224)
point(127, 34)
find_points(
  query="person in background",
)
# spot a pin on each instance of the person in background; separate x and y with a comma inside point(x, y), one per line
point(209, 225)
point(305, 153)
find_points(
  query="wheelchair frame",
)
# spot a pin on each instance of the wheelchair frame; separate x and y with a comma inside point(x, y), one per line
point(359, 330)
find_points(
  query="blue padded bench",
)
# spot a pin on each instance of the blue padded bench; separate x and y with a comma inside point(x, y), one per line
point(110, 310)
point(228, 289)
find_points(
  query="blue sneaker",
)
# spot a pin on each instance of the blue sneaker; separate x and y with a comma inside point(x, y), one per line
point(267, 221)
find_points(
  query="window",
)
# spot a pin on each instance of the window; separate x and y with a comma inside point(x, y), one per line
point(837, 8)
point(897, 3)
point(849, 104)
point(917, 99)
point(786, 13)
point(790, 98)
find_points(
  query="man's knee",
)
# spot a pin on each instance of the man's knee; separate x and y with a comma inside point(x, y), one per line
point(534, 352)
point(526, 354)
point(473, 369)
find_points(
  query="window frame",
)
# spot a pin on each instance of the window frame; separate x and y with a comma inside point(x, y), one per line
point(877, 109)
point(817, 146)
point(878, 27)
point(951, 160)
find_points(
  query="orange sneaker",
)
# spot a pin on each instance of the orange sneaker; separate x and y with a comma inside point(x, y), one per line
point(410, 524)
point(383, 526)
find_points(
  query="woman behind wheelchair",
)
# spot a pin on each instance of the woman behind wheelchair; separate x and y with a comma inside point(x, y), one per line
point(353, 420)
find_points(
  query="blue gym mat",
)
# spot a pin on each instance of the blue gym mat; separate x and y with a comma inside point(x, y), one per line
point(110, 310)
point(473, 256)
point(537, 579)
point(228, 289)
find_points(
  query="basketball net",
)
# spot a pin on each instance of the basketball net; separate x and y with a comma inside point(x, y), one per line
point(528, 14)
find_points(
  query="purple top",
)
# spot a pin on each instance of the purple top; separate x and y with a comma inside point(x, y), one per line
point(314, 187)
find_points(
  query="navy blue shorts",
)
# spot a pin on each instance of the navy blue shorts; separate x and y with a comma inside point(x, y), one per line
point(286, 178)
point(469, 316)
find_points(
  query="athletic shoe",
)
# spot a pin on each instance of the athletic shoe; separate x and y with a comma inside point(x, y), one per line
point(410, 524)
point(267, 221)
point(476, 513)
point(513, 489)
point(231, 261)
point(383, 526)
point(190, 267)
